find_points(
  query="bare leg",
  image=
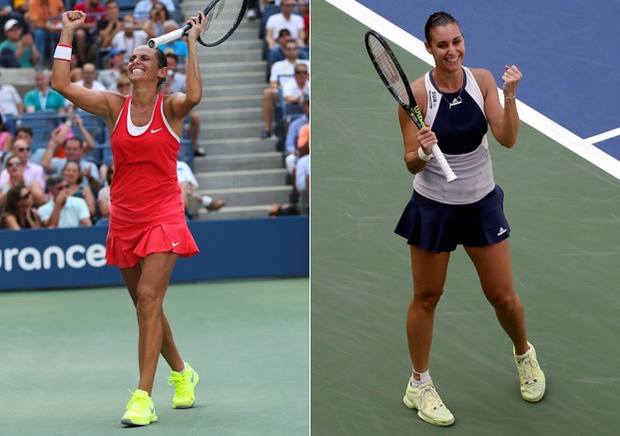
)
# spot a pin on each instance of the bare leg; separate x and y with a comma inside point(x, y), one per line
point(269, 98)
point(495, 272)
point(429, 275)
point(151, 289)
point(169, 351)
point(194, 129)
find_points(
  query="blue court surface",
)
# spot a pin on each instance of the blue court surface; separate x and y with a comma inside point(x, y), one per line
point(567, 50)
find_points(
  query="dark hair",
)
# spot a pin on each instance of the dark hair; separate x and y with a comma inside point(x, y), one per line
point(172, 55)
point(52, 181)
point(438, 19)
point(24, 129)
point(161, 63)
point(164, 8)
point(284, 32)
point(74, 138)
point(12, 198)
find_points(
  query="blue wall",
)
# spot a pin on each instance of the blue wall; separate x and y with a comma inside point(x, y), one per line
point(66, 258)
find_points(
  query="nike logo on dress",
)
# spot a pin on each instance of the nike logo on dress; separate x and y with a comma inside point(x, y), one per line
point(174, 244)
point(156, 130)
point(501, 231)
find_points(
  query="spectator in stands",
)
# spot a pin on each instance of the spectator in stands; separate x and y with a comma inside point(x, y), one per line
point(177, 47)
point(293, 91)
point(123, 85)
point(176, 82)
point(115, 68)
point(131, 36)
point(15, 170)
point(6, 137)
point(192, 200)
point(142, 11)
point(86, 36)
point(10, 101)
point(282, 68)
point(304, 11)
point(19, 212)
point(253, 10)
point(73, 178)
point(63, 210)
point(110, 25)
point(17, 50)
point(285, 19)
point(43, 97)
point(292, 135)
point(103, 198)
point(44, 19)
point(63, 132)
point(31, 171)
point(302, 169)
point(75, 152)
point(158, 17)
point(89, 72)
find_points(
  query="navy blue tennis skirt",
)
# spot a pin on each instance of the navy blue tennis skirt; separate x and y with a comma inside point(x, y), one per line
point(438, 227)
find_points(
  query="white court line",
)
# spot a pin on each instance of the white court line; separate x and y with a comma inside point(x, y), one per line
point(604, 136)
point(582, 147)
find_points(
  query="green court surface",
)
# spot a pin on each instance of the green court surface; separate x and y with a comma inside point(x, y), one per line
point(565, 243)
point(69, 357)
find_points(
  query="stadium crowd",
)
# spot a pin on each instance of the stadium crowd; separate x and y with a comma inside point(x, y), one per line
point(56, 161)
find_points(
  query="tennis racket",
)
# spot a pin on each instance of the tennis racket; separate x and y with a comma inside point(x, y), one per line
point(392, 74)
point(224, 16)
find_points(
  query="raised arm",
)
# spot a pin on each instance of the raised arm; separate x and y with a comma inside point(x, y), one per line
point(182, 104)
point(504, 121)
point(95, 102)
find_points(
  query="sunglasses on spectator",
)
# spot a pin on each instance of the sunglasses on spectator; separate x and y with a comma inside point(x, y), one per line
point(23, 149)
point(61, 187)
point(24, 196)
point(301, 72)
point(14, 163)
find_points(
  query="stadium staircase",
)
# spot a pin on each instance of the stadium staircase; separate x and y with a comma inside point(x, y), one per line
point(239, 167)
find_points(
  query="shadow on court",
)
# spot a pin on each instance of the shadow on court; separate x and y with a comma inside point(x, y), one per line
point(564, 214)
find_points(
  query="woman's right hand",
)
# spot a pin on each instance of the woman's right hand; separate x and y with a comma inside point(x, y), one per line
point(426, 138)
point(73, 19)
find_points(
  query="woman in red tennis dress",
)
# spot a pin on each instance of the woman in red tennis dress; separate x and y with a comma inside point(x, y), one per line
point(147, 230)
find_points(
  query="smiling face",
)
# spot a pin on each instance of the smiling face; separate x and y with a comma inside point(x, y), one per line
point(71, 172)
point(447, 46)
point(144, 66)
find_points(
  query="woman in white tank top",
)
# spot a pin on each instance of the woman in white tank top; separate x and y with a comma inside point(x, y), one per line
point(458, 104)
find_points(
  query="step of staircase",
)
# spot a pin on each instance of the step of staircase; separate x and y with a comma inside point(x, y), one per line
point(231, 101)
point(223, 130)
point(234, 78)
point(233, 90)
point(238, 115)
point(249, 196)
point(236, 212)
point(232, 67)
point(232, 162)
point(232, 55)
point(240, 146)
point(242, 178)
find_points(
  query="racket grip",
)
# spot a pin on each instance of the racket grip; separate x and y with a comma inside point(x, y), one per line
point(168, 37)
point(443, 163)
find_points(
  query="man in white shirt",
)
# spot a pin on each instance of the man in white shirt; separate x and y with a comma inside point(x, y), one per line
point(131, 36)
point(285, 19)
point(89, 72)
point(281, 68)
point(189, 188)
point(293, 91)
point(63, 210)
point(74, 148)
point(10, 101)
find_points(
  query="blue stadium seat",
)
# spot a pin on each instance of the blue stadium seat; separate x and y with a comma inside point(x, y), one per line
point(42, 124)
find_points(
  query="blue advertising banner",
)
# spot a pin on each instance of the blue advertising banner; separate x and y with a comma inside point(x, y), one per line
point(67, 258)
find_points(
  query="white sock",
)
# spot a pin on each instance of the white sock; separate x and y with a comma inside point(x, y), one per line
point(206, 200)
point(522, 356)
point(423, 377)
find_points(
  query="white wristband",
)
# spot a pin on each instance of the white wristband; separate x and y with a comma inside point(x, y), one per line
point(63, 51)
point(425, 157)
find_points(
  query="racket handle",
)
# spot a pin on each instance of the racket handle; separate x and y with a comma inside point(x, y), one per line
point(443, 163)
point(169, 37)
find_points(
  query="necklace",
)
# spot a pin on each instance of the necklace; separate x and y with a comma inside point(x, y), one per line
point(143, 110)
point(455, 101)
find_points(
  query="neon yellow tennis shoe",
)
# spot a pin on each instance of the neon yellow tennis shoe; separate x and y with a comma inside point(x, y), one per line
point(184, 383)
point(140, 409)
point(531, 378)
point(425, 399)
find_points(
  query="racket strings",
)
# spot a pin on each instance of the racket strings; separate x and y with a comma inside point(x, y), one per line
point(222, 20)
point(388, 68)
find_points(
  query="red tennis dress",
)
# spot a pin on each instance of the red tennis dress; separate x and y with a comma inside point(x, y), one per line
point(146, 209)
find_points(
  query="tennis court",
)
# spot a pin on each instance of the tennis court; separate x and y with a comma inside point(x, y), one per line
point(564, 213)
point(69, 357)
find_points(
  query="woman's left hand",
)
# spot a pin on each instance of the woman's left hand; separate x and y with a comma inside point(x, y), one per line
point(511, 77)
point(198, 23)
